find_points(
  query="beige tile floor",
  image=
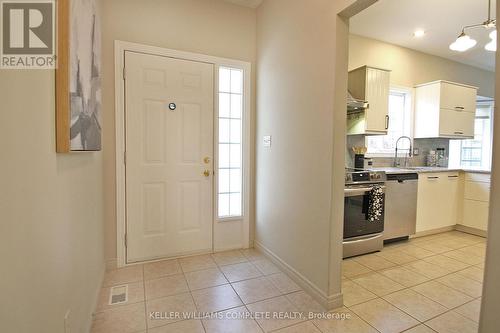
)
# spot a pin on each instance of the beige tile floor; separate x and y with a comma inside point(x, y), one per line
point(428, 284)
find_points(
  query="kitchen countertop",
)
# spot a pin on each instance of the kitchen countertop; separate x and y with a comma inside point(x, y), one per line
point(424, 169)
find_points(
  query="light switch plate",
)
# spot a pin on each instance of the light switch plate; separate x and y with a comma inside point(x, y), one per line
point(267, 141)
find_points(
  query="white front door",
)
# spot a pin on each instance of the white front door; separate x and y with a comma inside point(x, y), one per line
point(169, 156)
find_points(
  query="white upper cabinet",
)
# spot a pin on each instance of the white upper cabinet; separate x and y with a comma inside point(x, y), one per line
point(457, 96)
point(371, 85)
point(445, 110)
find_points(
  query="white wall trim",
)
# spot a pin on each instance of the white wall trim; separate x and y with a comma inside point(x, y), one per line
point(329, 302)
point(472, 231)
point(95, 303)
point(433, 231)
point(220, 241)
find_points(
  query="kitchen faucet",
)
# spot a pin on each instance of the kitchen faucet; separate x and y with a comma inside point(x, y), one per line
point(396, 164)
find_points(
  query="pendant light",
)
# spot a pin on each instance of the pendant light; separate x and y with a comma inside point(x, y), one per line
point(464, 42)
point(492, 46)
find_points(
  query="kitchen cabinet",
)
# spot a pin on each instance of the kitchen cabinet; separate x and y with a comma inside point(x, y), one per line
point(372, 85)
point(476, 201)
point(476, 214)
point(445, 110)
point(438, 200)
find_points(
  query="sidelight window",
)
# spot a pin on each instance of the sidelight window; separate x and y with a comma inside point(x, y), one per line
point(230, 126)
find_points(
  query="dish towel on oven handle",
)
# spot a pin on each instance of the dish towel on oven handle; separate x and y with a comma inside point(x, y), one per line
point(376, 206)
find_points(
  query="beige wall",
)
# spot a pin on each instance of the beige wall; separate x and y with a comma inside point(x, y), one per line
point(409, 67)
point(210, 27)
point(295, 82)
point(51, 225)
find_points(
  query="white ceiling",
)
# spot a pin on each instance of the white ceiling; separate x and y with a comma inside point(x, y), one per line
point(246, 3)
point(394, 21)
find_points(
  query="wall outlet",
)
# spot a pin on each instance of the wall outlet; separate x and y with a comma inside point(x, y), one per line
point(67, 327)
point(266, 141)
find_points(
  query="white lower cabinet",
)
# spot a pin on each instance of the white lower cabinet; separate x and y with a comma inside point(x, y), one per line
point(476, 201)
point(438, 202)
point(476, 214)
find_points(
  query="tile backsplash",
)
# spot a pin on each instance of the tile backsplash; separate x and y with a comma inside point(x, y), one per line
point(423, 145)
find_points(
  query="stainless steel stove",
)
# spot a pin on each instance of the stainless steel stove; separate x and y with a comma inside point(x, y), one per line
point(361, 233)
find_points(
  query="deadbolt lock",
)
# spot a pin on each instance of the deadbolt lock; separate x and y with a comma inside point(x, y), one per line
point(206, 160)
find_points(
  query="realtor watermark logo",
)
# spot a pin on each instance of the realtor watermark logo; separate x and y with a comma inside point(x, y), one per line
point(28, 34)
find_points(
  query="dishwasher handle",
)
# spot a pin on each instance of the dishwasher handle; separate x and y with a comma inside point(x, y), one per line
point(403, 177)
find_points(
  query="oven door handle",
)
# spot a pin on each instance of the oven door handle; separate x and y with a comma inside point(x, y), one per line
point(352, 192)
point(362, 239)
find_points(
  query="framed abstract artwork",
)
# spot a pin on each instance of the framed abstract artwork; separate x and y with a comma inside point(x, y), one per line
point(78, 77)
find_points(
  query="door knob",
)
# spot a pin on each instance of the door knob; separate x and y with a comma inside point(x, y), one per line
point(206, 173)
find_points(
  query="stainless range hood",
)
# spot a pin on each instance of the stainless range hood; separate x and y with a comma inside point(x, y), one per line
point(355, 105)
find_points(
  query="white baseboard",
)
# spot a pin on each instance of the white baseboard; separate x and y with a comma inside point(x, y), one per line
point(432, 232)
point(88, 325)
point(458, 227)
point(470, 230)
point(229, 248)
point(330, 302)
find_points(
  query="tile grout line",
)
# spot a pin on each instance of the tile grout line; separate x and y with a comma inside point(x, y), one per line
point(410, 288)
point(416, 259)
point(372, 271)
point(430, 280)
point(239, 297)
point(192, 297)
point(362, 319)
point(448, 310)
point(477, 245)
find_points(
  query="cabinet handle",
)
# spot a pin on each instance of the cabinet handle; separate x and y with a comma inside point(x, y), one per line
point(461, 133)
point(452, 176)
point(387, 119)
point(459, 108)
point(432, 177)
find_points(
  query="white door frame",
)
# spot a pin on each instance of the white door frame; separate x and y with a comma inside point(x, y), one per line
point(224, 240)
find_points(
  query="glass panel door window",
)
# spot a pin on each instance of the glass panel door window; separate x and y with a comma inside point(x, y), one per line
point(230, 176)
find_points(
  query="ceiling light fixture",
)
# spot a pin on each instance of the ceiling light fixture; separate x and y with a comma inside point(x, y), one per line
point(419, 33)
point(464, 42)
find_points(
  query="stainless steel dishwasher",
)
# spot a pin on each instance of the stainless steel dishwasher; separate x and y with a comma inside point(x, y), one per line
point(400, 206)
